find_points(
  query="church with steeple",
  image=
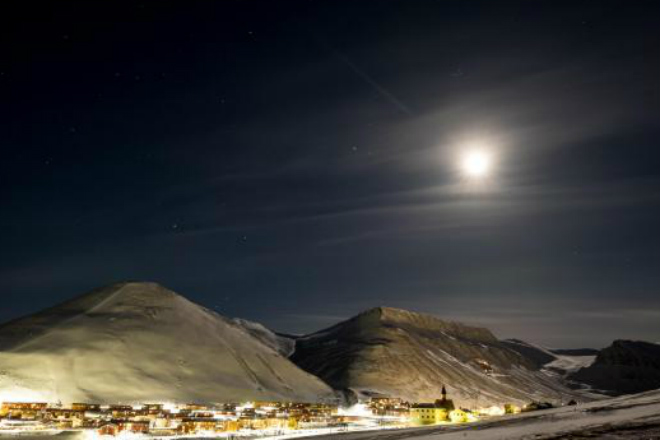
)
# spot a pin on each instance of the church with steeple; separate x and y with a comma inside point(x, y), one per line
point(432, 413)
point(444, 403)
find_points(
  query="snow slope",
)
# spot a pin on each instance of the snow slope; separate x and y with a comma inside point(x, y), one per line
point(569, 364)
point(411, 355)
point(282, 344)
point(141, 342)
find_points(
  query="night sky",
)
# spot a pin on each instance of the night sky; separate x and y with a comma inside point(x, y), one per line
point(295, 163)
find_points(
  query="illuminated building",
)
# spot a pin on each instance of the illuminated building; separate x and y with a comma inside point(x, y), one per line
point(427, 414)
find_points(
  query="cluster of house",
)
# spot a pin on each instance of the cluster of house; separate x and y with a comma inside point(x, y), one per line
point(275, 417)
point(164, 420)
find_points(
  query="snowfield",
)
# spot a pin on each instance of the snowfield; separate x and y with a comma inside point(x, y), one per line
point(570, 364)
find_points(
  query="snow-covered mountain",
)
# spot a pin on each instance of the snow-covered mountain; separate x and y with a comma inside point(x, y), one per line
point(141, 342)
point(559, 363)
point(412, 355)
point(625, 367)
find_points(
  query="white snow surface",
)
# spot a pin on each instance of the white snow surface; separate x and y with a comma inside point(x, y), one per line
point(141, 342)
point(570, 364)
point(564, 363)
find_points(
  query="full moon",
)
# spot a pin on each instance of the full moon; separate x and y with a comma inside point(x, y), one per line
point(476, 164)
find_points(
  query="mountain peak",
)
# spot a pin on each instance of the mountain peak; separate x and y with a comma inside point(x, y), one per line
point(138, 284)
point(378, 311)
point(133, 294)
point(384, 310)
point(143, 288)
point(139, 341)
point(128, 288)
point(391, 316)
point(121, 289)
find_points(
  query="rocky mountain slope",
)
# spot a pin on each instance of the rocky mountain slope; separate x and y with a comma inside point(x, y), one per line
point(141, 342)
point(411, 355)
point(625, 367)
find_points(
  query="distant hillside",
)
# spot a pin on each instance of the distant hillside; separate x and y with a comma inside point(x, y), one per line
point(539, 356)
point(625, 367)
point(141, 342)
point(411, 355)
point(575, 351)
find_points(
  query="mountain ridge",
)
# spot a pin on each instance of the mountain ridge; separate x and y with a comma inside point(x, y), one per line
point(384, 315)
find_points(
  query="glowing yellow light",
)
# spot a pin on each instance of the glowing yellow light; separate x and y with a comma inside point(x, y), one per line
point(492, 411)
point(359, 409)
point(22, 395)
point(171, 407)
point(471, 417)
point(476, 163)
point(460, 416)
